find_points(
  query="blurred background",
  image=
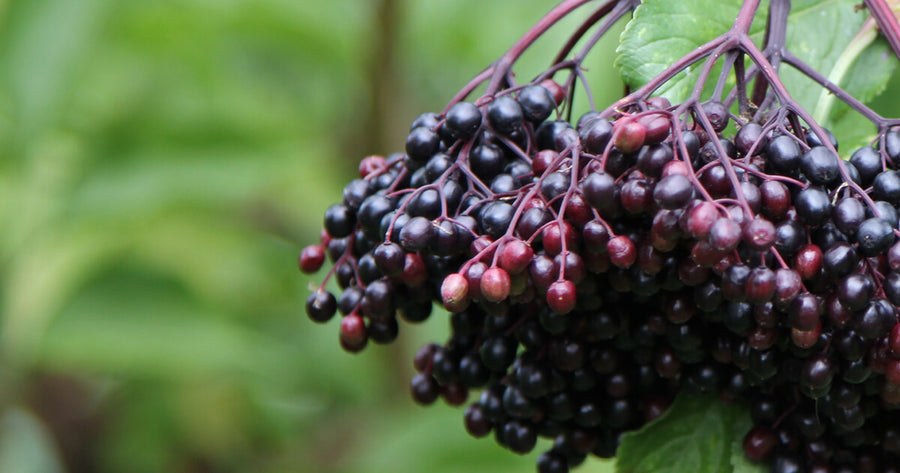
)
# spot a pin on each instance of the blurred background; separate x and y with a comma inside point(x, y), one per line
point(162, 164)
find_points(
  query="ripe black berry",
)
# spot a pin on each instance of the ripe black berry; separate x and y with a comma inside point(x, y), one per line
point(536, 102)
point(463, 119)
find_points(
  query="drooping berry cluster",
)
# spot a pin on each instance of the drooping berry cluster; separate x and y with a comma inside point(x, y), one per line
point(594, 270)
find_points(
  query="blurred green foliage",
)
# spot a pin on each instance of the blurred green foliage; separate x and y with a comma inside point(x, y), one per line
point(162, 163)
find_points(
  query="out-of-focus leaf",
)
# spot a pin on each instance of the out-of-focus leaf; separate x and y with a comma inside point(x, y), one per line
point(143, 327)
point(695, 434)
point(42, 44)
point(404, 444)
point(25, 444)
point(46, 273)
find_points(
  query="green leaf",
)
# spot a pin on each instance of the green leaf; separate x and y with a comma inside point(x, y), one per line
point(818, 33)
point(663, 31)
point(878, 64)
point(696, 434)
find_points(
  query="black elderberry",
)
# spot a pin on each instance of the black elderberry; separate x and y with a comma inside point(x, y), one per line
point(764, 363)
point(505, 115)
point(812, 139)
point(595, 135)
point(886, 212)
point(554, 185)
point(820, 165)
point(339, 221)
point(652, 159)
point(545, 135)
point(867, 162)
point(425, 390)
point(892, 144)
point(875, 320)
point(783, 153)
point(886, 186)
point(787, 463)
point(321, 306)
point(840, 260)
point(516, 404)
point(392, 222)
point(550, 462)
point(427, 120)
point(855, 291)
point(717, 114)
point(691, 143)
point(421, 144)
point(709, 152)
point(817, 372)
point(874, 236)
point(426, 203)
point(463, 120)
point(419, 178)
point(503, 183)
point(355, 193)
point(383, 331)
point(789, 237)
point(813, 206)
point(477, 425)
point(486, 161)
point(367, 269)
point(848, 215)
point(498, 353)
point(495, 218)
point(536, 102)
point(417, 234)
point(414, 310)
point(673, 192)
point(891, 286)
point(437, 165)
point(372, 210)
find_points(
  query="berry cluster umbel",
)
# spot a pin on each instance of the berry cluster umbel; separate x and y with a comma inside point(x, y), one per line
point(594, 270)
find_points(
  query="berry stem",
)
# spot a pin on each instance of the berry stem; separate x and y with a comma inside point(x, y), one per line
point(887, 22)
point(840, 93)
point(666, 75)
point(620, 7)
point(776, 34)
point(745, 17)
point(503, 65)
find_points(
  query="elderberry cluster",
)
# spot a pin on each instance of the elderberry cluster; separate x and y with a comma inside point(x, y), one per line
point(593, 271)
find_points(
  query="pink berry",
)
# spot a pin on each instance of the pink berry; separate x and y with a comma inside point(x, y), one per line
point(495, 284)
point(455, 292)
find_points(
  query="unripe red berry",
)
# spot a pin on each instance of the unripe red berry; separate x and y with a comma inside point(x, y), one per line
point(370, 164)
point(629, 135)
point(561, 296)
point(516, 256)
point(455, 292)
point(495, 284)
point(353, 333)
point(311, 258)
